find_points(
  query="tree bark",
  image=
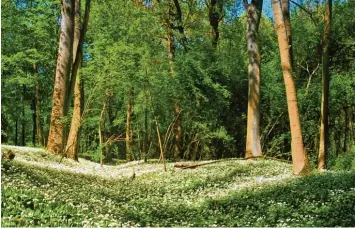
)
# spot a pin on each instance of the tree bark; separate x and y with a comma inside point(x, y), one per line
point(299, 157)
point(171, 55)
point(324, 128)
point(145, 139)
point(215, 11)
point(23, 122)
point(72, 147)
point(64, 62)
point(346, 119)
point(39, 126)
point(253, 147)
point(128, 126)
point(33, 106)
point(285, 5)
point(16, 132)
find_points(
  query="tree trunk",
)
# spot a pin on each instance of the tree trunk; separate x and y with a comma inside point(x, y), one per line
point(39, 126)
point(64, 62)
point(171, 54)
point(178, 133)
point(285, 5)
point(215, 11)
point(179, 25)
point(346, 120)
point(145, 139)
point(128, 127)
point(101, 127)
point(299, 157)
point(23, 122)
point(72, 147)
point(253, 147)
point(16, 132)
point(33, 106)
point(324, 128)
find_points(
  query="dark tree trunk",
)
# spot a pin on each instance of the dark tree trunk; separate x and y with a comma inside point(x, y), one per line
point(145, 139)
point(346, 119)
point(179, 25)
point(23, 122)
point(33, 106)
point(16, 132)
point(215, 15)
point(324, 128)
point(64, 63)
point(128, 126)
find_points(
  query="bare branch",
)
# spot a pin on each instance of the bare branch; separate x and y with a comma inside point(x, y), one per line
point(305, 10)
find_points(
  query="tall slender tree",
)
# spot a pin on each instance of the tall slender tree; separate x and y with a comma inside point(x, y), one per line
point(39, 127)
point(129, 126)
point(324, 127)
point(299, 156)
point(64, 63)
point(72, 146)
point(253, 13)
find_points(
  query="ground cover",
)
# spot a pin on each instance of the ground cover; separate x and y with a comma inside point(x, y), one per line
point(37, 191)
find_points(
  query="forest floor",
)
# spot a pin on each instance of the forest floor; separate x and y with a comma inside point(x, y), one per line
point(38, 191)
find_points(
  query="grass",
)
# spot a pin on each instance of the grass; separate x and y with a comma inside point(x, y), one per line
point(226, 193)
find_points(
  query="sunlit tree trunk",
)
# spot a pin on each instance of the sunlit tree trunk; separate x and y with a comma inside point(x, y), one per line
point(64, 62)
point(72, 146)
point(324, 128)
point(215, 12)
point(285, 6)
point(128, 126)
point(299, 157)
point(253, 148)
point(39, 126)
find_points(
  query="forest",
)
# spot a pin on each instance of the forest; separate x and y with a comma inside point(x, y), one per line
point(175, 100)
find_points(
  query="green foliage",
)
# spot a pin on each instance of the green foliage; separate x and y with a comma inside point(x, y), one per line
point(126, 50)
point(227, 193)
point(345, 161)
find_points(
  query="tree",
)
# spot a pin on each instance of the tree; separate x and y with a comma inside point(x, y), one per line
point(64, 63)
point(299, 156)
point(215, 15)
point(72, 146)
point(324, 128)
point(253, 13)
point(285, 6)
point(39, 126)
point(128, 125)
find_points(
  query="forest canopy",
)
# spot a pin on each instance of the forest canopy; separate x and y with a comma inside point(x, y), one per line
point(180, 79)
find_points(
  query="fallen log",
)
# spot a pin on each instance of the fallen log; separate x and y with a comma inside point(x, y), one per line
point(190, 165)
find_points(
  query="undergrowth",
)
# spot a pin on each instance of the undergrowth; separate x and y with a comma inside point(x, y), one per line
point(227, 193)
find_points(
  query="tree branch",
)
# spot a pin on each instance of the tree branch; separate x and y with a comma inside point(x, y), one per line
point(305, 10)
